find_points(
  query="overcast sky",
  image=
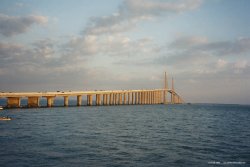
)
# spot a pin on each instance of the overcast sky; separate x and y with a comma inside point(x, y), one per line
point(127, 44)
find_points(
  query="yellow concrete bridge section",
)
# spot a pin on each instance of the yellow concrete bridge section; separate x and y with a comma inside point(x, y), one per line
point(103, 97)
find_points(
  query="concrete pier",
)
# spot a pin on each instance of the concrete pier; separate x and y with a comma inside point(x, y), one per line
point(89, 100)
point(50, 101)
point(66, 101)
point(33, 101)
point(13, 102)
point(79, 100)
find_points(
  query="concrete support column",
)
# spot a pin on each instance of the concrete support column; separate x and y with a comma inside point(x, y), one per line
point(79, 100)
point(158, 97)
point(120, 99)
point(143, 97)
point(96, 99)
point(89, 100)
point(104, 99)
point(124, 98)
point(66, 101)
point(133, 98)
point(139, 98)
point(50, 101)
point(154, 97)
point(100, 100)
point(146, 99)
point(111, 98)
point(136, 97)
point(150, 97)
point(33, 101)
point(13, 102)
point(115, 98)
point(128, 97)
point(162, 97)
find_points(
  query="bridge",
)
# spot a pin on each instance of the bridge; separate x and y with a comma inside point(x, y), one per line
point(98, 97)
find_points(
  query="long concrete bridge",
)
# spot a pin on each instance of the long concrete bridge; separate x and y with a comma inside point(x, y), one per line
point(102, 97)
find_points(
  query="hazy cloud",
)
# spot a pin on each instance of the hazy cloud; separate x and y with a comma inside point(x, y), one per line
point(200, 57)
point(152, 8)
point(13, 25)
point(103, 34)
point(38, 64)
point(108, 45)
point(190, 49)
point(131, 11)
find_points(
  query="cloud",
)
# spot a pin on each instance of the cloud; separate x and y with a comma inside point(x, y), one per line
point(39, 66)
point(221, 63)
point(152, 8)
point(216, 66)
point(44, 48)
point(226, 48)
point(188, 41)
point(195, 51)
point(103, 35)
point(131, 12)
point(108, 45)
point(241, 64)
point(222, 48)
point(41, 54)
point(13, 25)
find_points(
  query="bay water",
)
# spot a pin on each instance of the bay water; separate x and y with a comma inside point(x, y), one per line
point(127, 135)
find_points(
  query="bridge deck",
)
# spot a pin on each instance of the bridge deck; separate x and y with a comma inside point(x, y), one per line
point(102, 97)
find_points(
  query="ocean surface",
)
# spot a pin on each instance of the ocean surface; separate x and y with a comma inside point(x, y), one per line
point(128, 135)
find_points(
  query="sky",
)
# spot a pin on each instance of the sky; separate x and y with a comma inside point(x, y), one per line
point(52, 45)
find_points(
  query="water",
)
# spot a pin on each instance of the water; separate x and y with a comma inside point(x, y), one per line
point(138, 135)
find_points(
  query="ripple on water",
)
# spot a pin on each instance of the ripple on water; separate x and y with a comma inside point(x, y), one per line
point(150, 135)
